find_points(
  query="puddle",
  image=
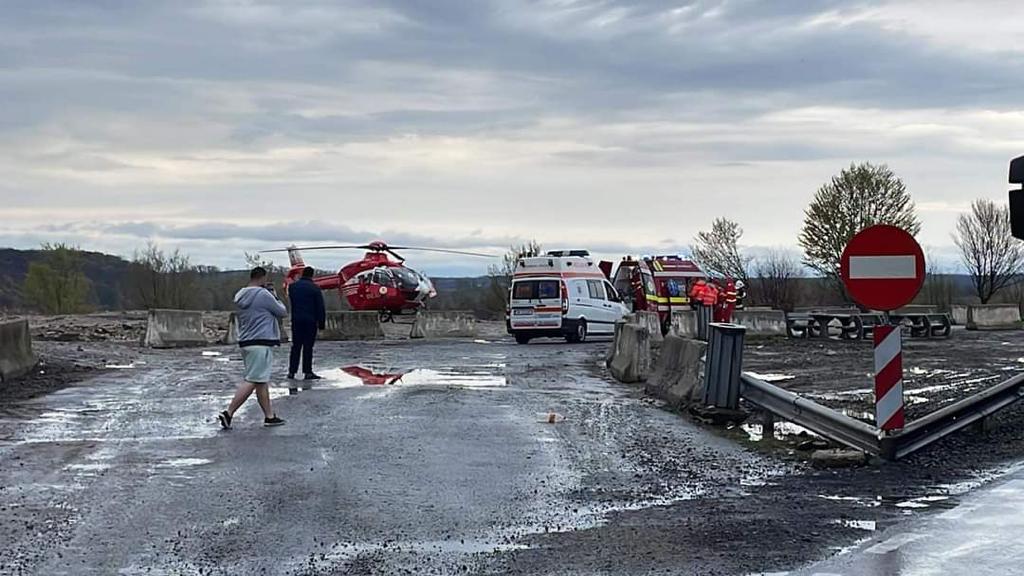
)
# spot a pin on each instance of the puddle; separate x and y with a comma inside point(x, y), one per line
point(868, 525)
point(772, 377)
point(860, 415)
point(466, 377)
point(922, 502)
point(184, 462)
point(756, 431)
point(120, 366)
point(96, 467)
point(210, 353)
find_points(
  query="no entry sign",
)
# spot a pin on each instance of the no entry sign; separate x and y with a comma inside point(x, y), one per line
point(883, 267)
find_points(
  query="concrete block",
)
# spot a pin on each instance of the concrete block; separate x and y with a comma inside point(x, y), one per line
point(651, 321)
point(993, 317)
point(174, 329)
point(447, 324)
point(631, 353)
point(761, 323)
point(684, 323)
point(231, 336)
point(958, 314)
point(16, 357)
point(678, 376)
point(352, 325)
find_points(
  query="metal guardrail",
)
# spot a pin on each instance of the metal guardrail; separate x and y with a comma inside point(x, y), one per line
point(810, 415)
point(867, 438)
point(943, 422)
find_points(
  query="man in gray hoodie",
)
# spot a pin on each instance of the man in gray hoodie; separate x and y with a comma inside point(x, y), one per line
point(258, 314)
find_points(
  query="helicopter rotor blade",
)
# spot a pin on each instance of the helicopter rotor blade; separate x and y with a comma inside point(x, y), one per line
point(308, 248)
point(396, 255)
point(443, 251)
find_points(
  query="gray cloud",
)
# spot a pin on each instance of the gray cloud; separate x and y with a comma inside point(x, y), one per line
point(469, 124)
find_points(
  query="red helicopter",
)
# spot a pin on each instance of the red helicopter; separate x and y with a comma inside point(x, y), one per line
point(376, 282)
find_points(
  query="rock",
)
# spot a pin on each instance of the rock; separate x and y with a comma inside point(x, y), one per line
point(815, 444)
point(838, 458)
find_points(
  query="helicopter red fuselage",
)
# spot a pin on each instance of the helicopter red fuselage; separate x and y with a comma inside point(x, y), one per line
point(374, 283)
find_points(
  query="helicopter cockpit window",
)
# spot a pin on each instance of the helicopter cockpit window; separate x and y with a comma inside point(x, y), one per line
point(383, 277)
point(406, 279)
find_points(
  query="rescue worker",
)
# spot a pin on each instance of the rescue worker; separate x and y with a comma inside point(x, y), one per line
point(726, 303)
point(709, 296)
point(697, 293)
point(741, 294)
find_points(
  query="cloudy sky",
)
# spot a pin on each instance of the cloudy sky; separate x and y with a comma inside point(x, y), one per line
point(220, 126)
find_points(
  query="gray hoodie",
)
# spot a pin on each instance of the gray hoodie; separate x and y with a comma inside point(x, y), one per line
point(258, 314)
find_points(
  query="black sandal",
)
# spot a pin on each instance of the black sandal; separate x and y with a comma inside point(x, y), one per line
point(225, 420)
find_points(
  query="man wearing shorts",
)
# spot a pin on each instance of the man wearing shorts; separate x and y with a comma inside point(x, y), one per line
point(258, 312)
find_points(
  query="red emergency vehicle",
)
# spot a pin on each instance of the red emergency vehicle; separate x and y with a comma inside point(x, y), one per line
point(656, 284)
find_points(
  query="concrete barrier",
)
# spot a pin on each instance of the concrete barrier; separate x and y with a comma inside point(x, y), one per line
point(231, 336)
point(630, 360)
point(16, 357)
point(678, 376)
point(352, 325)
point(651, 321)
point(683, 323)
point(761, 323)
point(453, 324)
point(993, 317)
point(958, 314)
point(174, 329)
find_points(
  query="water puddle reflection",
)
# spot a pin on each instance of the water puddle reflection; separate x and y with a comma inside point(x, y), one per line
point(470, 377)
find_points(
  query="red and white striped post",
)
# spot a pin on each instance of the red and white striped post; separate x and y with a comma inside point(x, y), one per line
point(889, 415)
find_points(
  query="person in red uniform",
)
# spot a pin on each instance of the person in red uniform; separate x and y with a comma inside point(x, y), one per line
point(697, 293)
point(726, 303)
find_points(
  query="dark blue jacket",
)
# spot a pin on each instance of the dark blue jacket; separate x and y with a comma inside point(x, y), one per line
point(307, 303)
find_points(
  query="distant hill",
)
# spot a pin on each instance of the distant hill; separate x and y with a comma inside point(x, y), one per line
point(214, 288)
point(105, 272)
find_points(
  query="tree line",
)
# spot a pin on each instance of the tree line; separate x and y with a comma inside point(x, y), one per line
point(860, 196)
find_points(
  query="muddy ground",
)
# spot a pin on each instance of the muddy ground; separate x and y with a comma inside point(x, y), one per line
point(449, 470)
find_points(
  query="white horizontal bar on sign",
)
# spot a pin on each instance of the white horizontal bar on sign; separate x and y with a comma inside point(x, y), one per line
point(867, 267)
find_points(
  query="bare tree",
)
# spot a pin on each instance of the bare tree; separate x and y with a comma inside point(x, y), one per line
point(938, 286)
point(993, 257)
point(717, 250)
point(162, 280)
point(776, 276)
point(860, 196)
point(501, 274)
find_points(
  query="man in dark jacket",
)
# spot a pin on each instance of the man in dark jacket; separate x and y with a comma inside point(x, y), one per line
point(308, 315)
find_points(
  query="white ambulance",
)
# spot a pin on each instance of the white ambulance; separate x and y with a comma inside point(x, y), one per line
point(562, 294)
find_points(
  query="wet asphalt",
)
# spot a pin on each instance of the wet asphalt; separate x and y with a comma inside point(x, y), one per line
point(981, 536)
point(429, 458)
point(453, 468)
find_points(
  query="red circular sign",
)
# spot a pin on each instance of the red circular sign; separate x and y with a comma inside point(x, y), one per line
point(882, 267)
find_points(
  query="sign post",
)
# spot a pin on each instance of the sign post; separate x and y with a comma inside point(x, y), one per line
point(883, 269)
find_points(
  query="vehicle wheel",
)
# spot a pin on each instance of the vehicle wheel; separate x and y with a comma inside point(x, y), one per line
point(580, 335)
point(522, 339)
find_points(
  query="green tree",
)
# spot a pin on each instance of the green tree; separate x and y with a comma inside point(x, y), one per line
point(57, 285)
point(717, 250)
point(860, 196)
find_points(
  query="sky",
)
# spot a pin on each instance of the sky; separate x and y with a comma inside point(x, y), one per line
point(225, 126)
